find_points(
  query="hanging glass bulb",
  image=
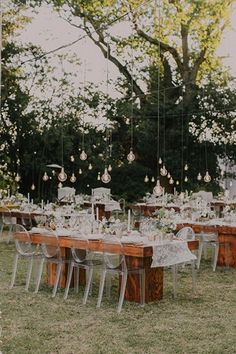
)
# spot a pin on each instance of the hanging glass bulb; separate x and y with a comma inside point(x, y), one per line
point(185, 179)
point(98, 177)
point(168, 175)
point(207, 177)
point(60, 185)
point(90, 167)
point(177, 183)
point(171, 181)
point(158, 190)
point(62, 175)
point(80, 171)
point(230, 183)
point(186, 167)
point(160, 161)
point(32, 187)
point(199, 177)
point(222, 173)
point(163, 171)
point(17, 178)
point(153, 179)
point(109, 168)
point(73, 178)
point(131, 156)
point(72, 158)
point(45, 177)
point(83, 155)
point(146, 179)
point(106, 177)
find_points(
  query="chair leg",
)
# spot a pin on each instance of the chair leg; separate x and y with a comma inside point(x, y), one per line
point(142, 287)
point(29, 271)
point(108, 286)
point(14, 270)
point(122, 291)
point(101, 287)
point(215, 258)
point(58, 272)
point(174, 275)
point(9, 233)
point(193, 276)
point(76, 279)
point(205, 251)
point(39, 275)
point(88, 284)
point(199, 256)
point(69, 276)
point(1, 230)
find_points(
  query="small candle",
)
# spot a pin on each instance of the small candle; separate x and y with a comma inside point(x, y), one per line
point(42, 205)
point(97, 213)
point(8, 193)
point(32, 201)
point(93, 210)
point(129, 220)
point(28, 197)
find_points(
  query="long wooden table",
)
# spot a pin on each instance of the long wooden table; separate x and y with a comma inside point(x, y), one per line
point(136, 256)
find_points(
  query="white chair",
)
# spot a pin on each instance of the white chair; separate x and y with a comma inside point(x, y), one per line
point(24, 250)
point(51, 253)
point(101, 193)
point(185, 234)
point(115, 263)
point(80, 260)
point(207, 196)
point(65, 193)
point(211, 239)
point(6, 221)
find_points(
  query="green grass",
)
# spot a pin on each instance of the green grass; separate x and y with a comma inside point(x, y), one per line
point(201, 323)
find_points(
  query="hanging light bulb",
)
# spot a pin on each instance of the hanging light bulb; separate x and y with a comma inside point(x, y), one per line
point(186, 167)
point(153, 179)
point(106, 177)
point(45, 177)
point(168, 175)
point(199, 177)
point(177, 183)
point(32, 187)
point(185, 179)
point(90, 167)
point(207, 177)
point(80, 171)
point(60, 185)
point(171, 181)
point(222, 173)
point(62, 175)
point(131, 156)
point(146, 179)
point(73, 178)
point(160, 161)
point(230, 183)
point(157, 190)
point(98, 177)
point(109, 168)
point(72, 158)
point(163, 171)
point(17, 178)
point(83, 155)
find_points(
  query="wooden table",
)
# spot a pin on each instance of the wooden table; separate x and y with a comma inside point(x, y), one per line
point(136, 256)
point(225, 234)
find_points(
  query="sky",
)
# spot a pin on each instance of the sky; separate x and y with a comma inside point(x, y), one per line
point(50, 31)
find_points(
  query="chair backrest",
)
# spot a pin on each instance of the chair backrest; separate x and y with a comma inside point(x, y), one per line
point(113, 252)
point(208, 236)
point(65, 193)
point(6, 216)
point(80, 255)
point(22, 240)
point(101, 192)
point(207, 196)
point(50, 244)
point(26, 220)
point(186, 233)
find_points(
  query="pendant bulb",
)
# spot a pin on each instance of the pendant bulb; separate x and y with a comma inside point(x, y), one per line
point(199, 177)
point(62, 175)
point(73, 178)
point(32, 186)
point(98, 177)
point(158, 190)
point(106, 178)
point(207, 177)
point(45, 177)
point(17, 178)
point(83, 155)
point(131, 156)
point(146, 179)
point(171, 181)
point(80, 171)
point(160, 161)
point(109, 168)
point(163, 171)
point(90, 167)
point(186, 167)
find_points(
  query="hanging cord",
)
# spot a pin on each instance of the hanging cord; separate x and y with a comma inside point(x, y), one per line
point(158, 86)
point(132, 99)
point(164, 124)
point(84, 84)
point(182, 139)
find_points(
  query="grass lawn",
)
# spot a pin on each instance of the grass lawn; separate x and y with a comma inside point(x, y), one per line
point(201, 323)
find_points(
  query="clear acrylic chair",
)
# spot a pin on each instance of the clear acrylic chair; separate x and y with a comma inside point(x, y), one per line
point(185, 234)
point(6, 221)
point(80, 260)
point(24, 250)
point(114, 263)
point(26, 220)
point(51, 253)
point(211, 239)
